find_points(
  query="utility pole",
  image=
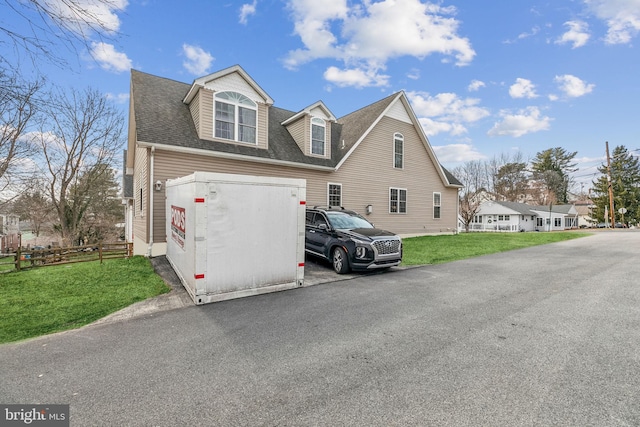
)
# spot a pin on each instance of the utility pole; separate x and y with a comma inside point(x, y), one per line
point(610, 184)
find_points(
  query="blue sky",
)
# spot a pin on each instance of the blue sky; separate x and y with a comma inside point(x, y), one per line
point(484, 78)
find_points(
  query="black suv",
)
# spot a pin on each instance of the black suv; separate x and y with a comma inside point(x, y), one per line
point(349, 241)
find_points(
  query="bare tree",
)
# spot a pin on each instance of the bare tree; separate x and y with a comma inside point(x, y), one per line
point(473, 176)
point(18, 108)
point(34, 207)
point(83, 131)
point(38, 28)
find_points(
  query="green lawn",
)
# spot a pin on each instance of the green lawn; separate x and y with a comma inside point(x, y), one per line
point(446, 248)
point(44, 300)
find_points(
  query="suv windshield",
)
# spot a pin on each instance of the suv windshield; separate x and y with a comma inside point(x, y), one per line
point(346, 221)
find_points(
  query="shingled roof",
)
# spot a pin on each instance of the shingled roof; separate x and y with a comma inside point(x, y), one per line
point(163, 118)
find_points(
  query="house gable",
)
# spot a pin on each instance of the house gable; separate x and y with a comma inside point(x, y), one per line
point(230, 87)
point(359, 124)
point(301, 127)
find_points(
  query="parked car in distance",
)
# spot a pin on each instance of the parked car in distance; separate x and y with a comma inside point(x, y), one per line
point(349, 241)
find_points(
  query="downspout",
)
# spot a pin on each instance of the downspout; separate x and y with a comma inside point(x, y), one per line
point(150, 187)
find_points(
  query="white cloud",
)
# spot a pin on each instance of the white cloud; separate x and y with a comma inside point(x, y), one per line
point(457, 153)
point(475, 85)
point(622, 18)
point(535, 30)
point(355, 77)
point(577, 34)
point(247, 10)
point(414, 74)
point(523, 122)
point(445, 112)
point(521, 36)
point(523, 88)
point(119, 98)
point(572, 86)
point(198, 60)
point(110, 59)
point(86, 14)
point(368, 34)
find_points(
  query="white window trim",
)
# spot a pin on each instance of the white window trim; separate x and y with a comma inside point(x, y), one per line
point(236, 120)
point(329, 184)
point(439, 205)
point(406, 201)
point(398, 136)
point(324, 126)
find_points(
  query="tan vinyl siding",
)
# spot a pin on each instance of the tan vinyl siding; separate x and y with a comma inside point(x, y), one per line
point(372, 162)
point(206, 114)
point(327, 147)
point(300, 130)
point(194, 107)
point(262, 133)
point(297, 130)
point(365, 178)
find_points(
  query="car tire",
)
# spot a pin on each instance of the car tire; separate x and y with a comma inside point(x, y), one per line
point(340, 261)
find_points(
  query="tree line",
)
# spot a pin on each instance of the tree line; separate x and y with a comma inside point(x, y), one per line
point(547, 180)
point(58, 147)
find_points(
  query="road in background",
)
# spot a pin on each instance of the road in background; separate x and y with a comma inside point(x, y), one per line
point(547, 335)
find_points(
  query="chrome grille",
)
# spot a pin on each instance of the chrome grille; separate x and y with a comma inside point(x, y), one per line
point(387, 247)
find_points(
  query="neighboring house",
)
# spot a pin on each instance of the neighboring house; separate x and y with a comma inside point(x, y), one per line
point(512, 216)
point(585, 214)
point(376, 159)
point(9, 229)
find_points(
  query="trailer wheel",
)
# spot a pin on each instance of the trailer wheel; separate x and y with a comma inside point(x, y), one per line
point(340, 261)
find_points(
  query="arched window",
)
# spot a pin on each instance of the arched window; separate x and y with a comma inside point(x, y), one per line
point(318, 138)
point(398, 150)
point(235, 117)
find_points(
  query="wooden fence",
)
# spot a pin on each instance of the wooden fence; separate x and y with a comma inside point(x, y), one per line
point(58, 255)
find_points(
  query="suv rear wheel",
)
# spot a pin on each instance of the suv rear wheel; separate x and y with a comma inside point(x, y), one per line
point(340, 261)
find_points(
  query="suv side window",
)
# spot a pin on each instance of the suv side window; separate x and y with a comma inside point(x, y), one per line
point(309, 220)
point(315, 219)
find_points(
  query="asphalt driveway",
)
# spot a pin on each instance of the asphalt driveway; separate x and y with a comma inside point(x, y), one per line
point(542, 336)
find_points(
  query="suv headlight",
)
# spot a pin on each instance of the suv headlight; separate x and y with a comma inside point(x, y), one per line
point(361, 252)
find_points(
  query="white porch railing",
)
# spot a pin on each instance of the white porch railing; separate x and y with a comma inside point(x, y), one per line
point(504, 228)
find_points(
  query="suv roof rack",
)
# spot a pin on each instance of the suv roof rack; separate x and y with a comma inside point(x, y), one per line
point(330, 207)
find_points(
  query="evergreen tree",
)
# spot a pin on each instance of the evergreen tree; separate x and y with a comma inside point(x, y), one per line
point(512, 181)
point(552, 168)
point(625, 184)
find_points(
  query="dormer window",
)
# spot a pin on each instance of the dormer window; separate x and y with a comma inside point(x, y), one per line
point(318, 136)
point(235, 117)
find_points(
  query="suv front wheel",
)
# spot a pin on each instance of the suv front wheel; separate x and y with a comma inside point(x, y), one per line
point(340, 261)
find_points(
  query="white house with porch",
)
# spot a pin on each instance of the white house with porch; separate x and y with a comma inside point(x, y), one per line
point(515, 217)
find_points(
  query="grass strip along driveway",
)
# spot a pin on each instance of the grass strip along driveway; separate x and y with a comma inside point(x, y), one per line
point(44, 300)
point(51, 299)
point(445, 248)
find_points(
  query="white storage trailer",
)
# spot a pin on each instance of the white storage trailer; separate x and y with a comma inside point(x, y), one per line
point(231, 236)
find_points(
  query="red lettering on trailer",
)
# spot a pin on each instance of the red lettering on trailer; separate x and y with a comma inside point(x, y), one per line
point(178, 225)
point(178, 218)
